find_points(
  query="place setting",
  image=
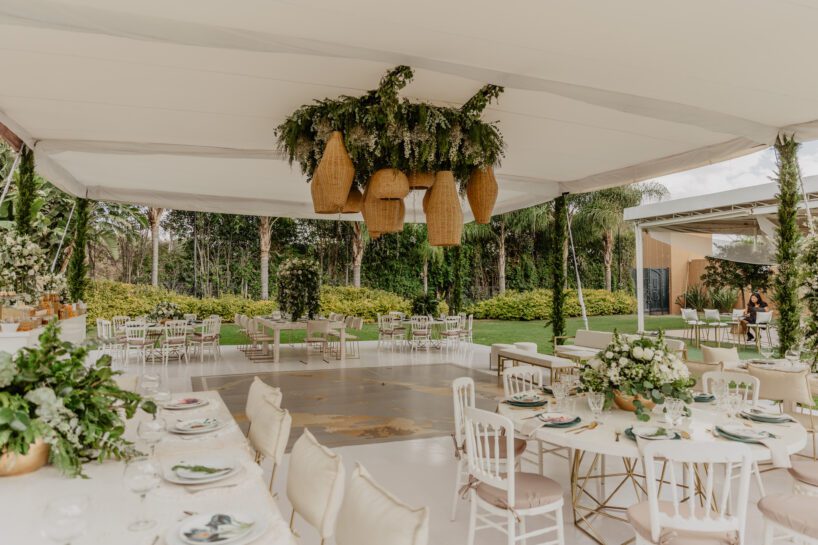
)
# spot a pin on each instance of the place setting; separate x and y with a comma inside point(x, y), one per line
point(199, 472)
point(185, 404)
point(228, 527)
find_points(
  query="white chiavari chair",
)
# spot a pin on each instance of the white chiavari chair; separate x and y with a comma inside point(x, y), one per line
point(174, 340)
point(520, 379)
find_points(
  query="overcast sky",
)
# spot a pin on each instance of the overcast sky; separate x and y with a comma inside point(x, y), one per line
point(742, 172)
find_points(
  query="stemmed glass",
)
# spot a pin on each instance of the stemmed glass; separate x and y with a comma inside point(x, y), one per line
point(766, 352)
point(151, 431)
point(733, 403)
point(793, 355)
point(65, 519)
point(596, 402)
point(560, 391)
point(141, 476)
point(674, 408)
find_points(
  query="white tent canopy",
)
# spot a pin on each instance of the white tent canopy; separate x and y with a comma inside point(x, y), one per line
point(171, 103)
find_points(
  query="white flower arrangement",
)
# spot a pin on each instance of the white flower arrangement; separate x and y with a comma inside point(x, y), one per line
point(22, 262)
point(165, 310)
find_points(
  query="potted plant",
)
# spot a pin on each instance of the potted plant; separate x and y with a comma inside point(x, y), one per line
point(54, 407)
point(637, 373)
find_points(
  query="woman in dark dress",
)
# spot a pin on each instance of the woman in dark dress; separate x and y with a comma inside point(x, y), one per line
point(756, 304)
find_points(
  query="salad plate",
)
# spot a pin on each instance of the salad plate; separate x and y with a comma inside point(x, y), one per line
point(196, 426)
point(652, 433)
point(738, 432)
point(558, 420)
point(528, 399)
point(234, 528)
point(200, 469)
point(185, 403)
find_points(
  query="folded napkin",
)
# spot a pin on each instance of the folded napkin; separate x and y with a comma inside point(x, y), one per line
point(778, 452)
point(530, 427)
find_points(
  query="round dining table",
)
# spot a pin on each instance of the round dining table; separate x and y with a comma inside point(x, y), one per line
point(601, 489)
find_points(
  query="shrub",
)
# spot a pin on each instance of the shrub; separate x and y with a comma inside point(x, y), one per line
point(425, 304)
point(536, 304)
point(365, 302)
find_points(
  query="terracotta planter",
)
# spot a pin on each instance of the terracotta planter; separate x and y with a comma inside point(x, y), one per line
point(444, 216)
point(389, 184)
point(482, 194)
point(625, 402)
point(421, 180)
point(354, 202)
point(332, 179)
point(17, 464)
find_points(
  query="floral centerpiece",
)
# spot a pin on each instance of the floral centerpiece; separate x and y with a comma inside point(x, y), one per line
point(50, 400)
point(165, 310)
point(22, 262)
point(52, 283)
point(637, 372)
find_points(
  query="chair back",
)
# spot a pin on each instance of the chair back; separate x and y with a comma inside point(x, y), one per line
point(105, 329)
point(690, 315)
point(522, 378)
point(315, 483)
point(712, 315)
point(420, 324)
point(119, 322)
point(720, 355)
point(357, 323)
point(716, 464)
point(748, 386)
point(176, 329)
point(395, 313)
point(270, 430)
point(258, 395)
point(470, 322)
point(698, 369)
point(210, 326)
point(790, 387)
point(763, 318)
point(317, 328)
point(452, 323)
point(192, 317)
point(485, 432)
point(275, 315)
point(136, 331)
point(738, 313)
point(593, 339)
point(463, 394)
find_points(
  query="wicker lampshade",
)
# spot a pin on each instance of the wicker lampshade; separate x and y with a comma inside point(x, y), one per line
point(482, 194)
point(389, 183)
point(421, 180)
point(426, 199)
point(383, 216)
point(444, 216)
point(332, 178)
point(355, 201)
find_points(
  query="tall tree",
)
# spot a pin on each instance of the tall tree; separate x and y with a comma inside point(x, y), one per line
point(785, 286)
point(24, 212)
point(558, 263)
point(265, 230)
point(77, 266)
point(154, 217)
point(358, 242)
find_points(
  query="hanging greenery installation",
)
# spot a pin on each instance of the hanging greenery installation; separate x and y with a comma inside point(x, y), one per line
point(299, 288)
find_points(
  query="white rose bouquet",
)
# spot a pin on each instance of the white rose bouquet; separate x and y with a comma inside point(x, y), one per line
point(643, 368)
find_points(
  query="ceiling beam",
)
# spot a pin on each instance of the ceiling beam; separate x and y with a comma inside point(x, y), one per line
point(10, 137)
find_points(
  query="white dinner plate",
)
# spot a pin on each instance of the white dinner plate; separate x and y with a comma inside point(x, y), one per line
point(185, 403)
point(743, 432)
point(261, 524)
point(195, 426)
point(188, 475)
point(651, 433)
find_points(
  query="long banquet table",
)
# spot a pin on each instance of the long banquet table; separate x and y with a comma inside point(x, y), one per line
point(277, 326)
point(112, 506)
point(597, 485)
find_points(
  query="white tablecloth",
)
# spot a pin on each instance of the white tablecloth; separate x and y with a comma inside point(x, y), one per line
point(113, 506)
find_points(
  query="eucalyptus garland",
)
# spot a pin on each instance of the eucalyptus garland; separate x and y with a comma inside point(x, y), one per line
point(299, 287)
point(382, 130)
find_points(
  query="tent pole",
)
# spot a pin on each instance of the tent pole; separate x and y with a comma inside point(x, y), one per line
point(62, 238)
point(576, 270)
point(10, 175)
point(640, 281)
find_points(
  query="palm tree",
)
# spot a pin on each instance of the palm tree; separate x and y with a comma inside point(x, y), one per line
point(498, 230)
point(600, 214)
point(154, 217)
point(265, 231)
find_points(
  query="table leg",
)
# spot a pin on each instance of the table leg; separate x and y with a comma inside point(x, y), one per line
point(276, 344)
point(342, 349)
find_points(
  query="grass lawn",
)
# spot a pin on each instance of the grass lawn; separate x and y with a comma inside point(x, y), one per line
point(488, 332)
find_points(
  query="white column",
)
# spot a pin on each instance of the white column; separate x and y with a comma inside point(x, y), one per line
point(640, 280)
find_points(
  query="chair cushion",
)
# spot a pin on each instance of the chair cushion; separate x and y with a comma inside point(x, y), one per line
point(530, 490)
point(270, 429)
point(805, 471)
point(717, 355)
point(593, 339)
point(260, 392)
point(792, 511)
point(315, 483)
point(371, 515)
point(639, 517)
point(519, 447)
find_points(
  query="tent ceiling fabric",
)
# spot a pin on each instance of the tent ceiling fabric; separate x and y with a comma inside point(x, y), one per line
point(159, 103)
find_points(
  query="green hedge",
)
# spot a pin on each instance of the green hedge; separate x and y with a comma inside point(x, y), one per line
point(106, 299)
point(536, 305)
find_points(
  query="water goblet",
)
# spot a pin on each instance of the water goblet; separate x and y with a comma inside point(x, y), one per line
point(560, 391)
point(141, 476)
point(151, 431)
point(766, 352)
point(793, 356)
point(733, 403)
point(65, 519)
point(596, 402)
point(674, 409)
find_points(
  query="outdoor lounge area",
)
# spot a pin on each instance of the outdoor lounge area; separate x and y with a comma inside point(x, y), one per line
point(378, 273)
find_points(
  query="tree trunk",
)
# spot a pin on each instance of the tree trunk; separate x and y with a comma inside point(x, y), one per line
point(501, 258)
point(154, 215)
point(264, 234)
point(425, 275)
point(357, 253)
point(607, 248)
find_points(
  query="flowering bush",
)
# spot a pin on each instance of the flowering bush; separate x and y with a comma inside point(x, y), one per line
point(165, 310)
point(641, 367)
point(49, 393)
point(21, 263)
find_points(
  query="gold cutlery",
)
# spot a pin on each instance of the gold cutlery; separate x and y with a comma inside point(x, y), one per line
point(591, 426)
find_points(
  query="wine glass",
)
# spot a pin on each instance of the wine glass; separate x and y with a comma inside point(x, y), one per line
point(151, 431)
point(596, 402)
point(560, 391)
point(65, 519)
point(733, 403)
point(149, 385)
point(141, 476)
point(766, 352)
point(674, 408)
point(793, 355)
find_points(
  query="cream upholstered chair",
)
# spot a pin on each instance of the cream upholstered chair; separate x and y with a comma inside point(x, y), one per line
point(790, 517)
point(500, 498)
point(270, 431)
point(726, 356)
point(317, 335)
point(260, 393)
point(805, 476)
point(793, 390)
point(681, 519)
point(521, 378)
point(315, 484)
point(698, 369)
point(463, 395)
point(370, 515)
point(748, 385)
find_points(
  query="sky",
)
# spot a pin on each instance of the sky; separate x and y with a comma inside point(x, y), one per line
point(741, 172)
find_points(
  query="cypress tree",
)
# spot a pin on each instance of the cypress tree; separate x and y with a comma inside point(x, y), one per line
point(77, 267)
point(26, 193)
point(558, 266)
point(786, 283)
